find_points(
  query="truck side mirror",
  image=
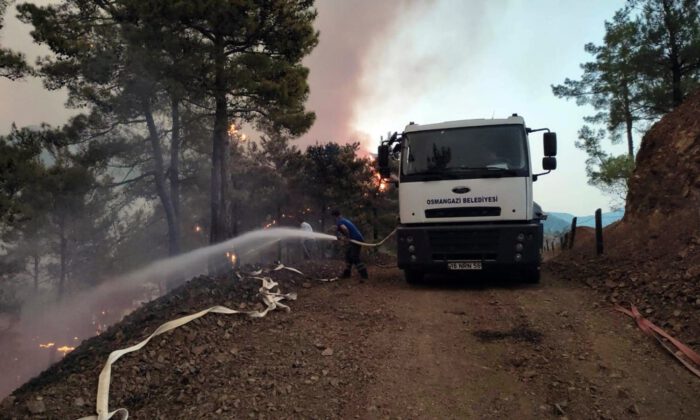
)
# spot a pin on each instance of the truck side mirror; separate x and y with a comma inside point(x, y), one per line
point(550, 144)
point(549, 163)
point(383, 161)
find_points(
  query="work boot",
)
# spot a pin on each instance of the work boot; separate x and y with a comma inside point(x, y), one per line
point(362, 269)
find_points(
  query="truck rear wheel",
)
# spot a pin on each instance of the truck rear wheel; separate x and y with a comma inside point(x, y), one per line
point(531, 275)
point(413, 276)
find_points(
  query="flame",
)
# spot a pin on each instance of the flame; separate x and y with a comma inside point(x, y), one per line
point(232, 130)
point(232, 257)
point(381, 183)
point(65, 349)
point(197, 228)
point(47, 345)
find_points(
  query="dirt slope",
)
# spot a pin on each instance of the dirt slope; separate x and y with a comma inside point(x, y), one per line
point(379, 350)
point(652, 256)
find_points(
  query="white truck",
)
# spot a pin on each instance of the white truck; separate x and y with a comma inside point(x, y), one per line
point(465, 196)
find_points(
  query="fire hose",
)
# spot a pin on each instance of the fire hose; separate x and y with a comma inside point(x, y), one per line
point(689, 358)
point(271, 297)
point(369, 245)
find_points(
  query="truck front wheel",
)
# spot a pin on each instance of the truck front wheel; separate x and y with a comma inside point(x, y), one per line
point(413, 276)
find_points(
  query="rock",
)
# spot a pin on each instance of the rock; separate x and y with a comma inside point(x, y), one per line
point(319, 345)
point(559, 408)
point(199, 349)
point(529, 374)
point(79, 402)
point(621, 393)
point(633, 409)
point(327, 352)
point(36, 406)
point(306, 285)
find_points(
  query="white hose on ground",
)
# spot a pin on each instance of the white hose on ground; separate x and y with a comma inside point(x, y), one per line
point(272, 300)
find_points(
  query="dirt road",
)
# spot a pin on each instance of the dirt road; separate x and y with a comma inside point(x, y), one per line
point(384, 349)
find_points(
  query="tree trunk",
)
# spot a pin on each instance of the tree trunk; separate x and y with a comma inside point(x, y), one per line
point(36, 259)
point(674, 56)
point(63, 254)
point(161, 190)
point(218, 171)
point(175, 169)
point(323, 216)
point(628, 121)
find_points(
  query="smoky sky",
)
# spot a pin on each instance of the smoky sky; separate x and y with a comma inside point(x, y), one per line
point(348, 31)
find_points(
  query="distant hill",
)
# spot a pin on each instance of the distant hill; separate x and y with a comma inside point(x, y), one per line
point(556, 223)
point(560, 222)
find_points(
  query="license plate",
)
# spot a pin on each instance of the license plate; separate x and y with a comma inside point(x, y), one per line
point(475, 265)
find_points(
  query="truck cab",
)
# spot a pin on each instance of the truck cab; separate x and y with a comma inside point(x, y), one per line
point(465, 196)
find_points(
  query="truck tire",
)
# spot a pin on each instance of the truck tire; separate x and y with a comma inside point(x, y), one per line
point(531, 275)
point(413, 276)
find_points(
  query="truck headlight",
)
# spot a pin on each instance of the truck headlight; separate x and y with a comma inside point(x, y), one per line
point(520, 237)
point(413, 258)
point(518, 257)
point(409, 239)
point(411, 248)
point(519, 247)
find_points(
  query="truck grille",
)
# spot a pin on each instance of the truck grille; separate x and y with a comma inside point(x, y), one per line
point(464, 245)
point(463, 212)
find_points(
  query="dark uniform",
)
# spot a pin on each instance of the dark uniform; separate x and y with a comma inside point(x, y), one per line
point(352, 252)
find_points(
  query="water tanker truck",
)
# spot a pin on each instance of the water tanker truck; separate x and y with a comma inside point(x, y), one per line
point(465, 196)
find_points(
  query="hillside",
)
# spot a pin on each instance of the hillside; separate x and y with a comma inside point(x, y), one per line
point(558, 222)
point(652, 257)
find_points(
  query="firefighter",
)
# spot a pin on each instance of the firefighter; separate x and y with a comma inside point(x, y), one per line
point(346, 231)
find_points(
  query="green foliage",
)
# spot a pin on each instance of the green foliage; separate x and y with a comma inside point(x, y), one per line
point(648, 63)
point(669, 54)
point(12, 64)
point(52, 205)
point(608, 172)
point(134, 62)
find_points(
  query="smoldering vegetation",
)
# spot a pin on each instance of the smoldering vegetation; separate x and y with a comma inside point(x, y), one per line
point(181, 143)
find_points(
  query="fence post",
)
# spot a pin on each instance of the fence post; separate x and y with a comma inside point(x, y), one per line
point(599, 232)
point(572, 237)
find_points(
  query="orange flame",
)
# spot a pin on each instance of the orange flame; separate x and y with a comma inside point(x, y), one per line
point(65, 349)
point(47, 345)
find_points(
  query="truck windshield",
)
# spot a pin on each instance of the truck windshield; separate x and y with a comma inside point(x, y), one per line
point(495, 149)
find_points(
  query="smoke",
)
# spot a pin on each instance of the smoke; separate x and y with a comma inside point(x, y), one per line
point(348, 33)
point(32, 344)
